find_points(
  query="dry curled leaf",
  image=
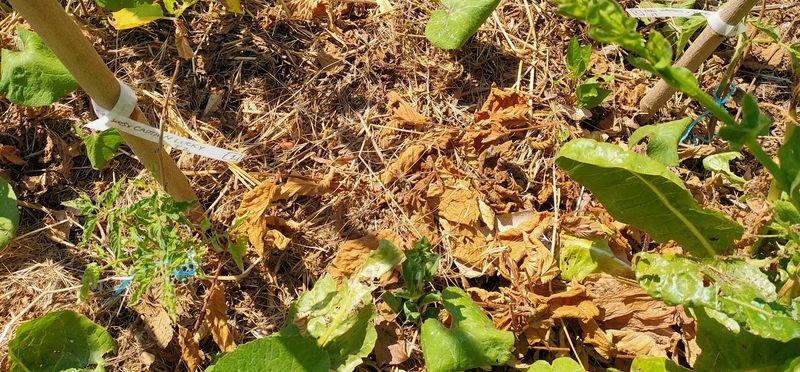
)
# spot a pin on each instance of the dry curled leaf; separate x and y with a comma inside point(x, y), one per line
point(352, 253)
point(307, 10)
point(404, 162)
point(11, 155)
point(156, 321)
point(190, 349)
point(402, 113)
point(217, 320)
point(504, 107)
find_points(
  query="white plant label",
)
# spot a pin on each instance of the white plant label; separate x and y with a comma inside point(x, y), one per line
point(119, 119)
point(714, 21)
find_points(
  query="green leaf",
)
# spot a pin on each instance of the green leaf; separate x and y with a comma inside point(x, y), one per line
point(101, 147)
point(234, 6)
point(724, 350)
point(685, 28)
point(115, 5)
point(563, 364)
point(789, 156)
point(590, 94)
point(664, 138)
point(177, 7)
point(33, 76)
point(786, 212)
point(139, 15)
point(737, 292)
point(418, 268)
point(578, 258)
point(659, 51)
point(379, 262)
point(754, 123)
point(471, 342)
point(610, 24)
point(772, 32)
point(275, 353)
point(794, 52)
point(578, 58)
point(655, 364)
point(9, 214)
point(642, 192)
point(450, 28)
point(58, 341)
point(89, 280)
point(720, 163)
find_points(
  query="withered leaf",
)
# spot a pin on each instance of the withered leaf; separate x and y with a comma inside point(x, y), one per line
point(404, 162)
point(190, 349)
point(402, 113)
point(504, 107)
point(217, 320)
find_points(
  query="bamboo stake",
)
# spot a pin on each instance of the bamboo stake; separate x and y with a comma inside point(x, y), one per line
point(64, 37)
point(702, 48)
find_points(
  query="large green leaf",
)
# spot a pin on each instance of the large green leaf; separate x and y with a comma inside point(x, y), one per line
point(664, 138)
point(642, 192)
point(578, 258)
point(276, 353)
point(655, 364)
point(725, 350)
point(33, 76)
point(340, 316)
point(471, 342)
point(737, 293)
point(720, 163)
point(450, 28)
point(563, 364)
point(9, 214)
point(59, 341)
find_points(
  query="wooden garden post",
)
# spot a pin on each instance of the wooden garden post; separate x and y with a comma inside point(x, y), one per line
point(64, 37)
point(702, 48)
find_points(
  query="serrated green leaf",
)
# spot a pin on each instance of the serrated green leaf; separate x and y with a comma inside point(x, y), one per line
point(9, 214)
point(563, 364)
point(737, 292)
point(139, 15)
point(450, 28)
point(278, 352)
point(664, 138)
point(89, 280)
point(472, 340)
point(578, 58)
point(754, 123)
point(772, 32)
point(101, 147)
point(590, 94)
point(57, 341)
point(655, 364)
point(610, 24)
point(33, 76)
point(578, 258)
point(642, 192)
point(724, 350)
point(720, 163)
point(418, 268)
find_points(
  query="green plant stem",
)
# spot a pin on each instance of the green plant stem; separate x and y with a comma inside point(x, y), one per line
point(767, 162)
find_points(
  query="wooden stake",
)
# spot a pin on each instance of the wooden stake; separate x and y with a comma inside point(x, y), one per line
point(702, 48)
point(64, 37)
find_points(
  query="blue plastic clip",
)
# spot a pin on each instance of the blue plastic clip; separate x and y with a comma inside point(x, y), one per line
point(720, 101)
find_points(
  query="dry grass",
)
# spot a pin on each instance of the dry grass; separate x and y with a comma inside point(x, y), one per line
point(307, 98)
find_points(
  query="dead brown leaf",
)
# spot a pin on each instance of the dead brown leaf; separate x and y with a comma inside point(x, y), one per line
point(217, 320)
point(190, 349)
point(263, 231)
point(404, 162)
point(390, 347)
point(402, 113)
point(307, 10)
point(505, 107)
point(156, 321)
point(11, 155)
point(352, 253)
